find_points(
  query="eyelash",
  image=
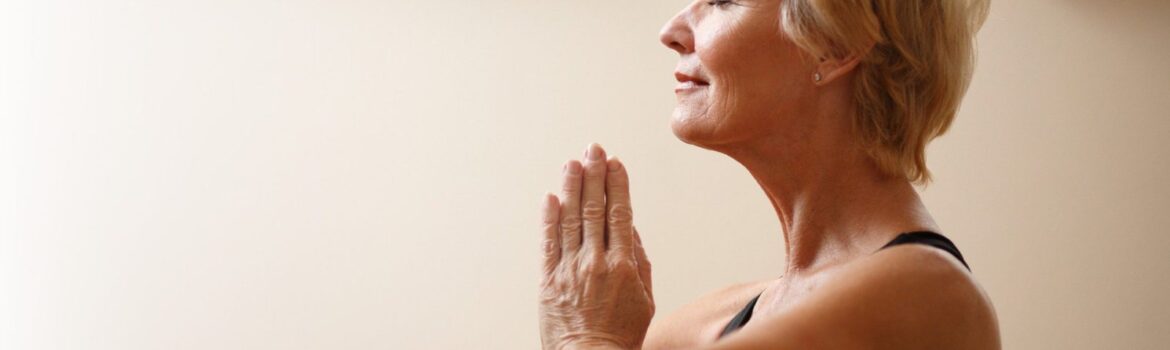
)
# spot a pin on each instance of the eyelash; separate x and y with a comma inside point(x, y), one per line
point(719, 3)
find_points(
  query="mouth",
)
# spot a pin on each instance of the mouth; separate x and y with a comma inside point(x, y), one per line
point(688, 83)
point(687, 86)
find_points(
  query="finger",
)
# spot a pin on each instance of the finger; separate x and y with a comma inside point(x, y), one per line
point(551, 226)
point(643, 263)
point(571, 209)
point(619, 212)
point(593, 202)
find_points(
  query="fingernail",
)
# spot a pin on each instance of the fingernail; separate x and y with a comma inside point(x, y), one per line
point(593, 152)
point(614, 164)
point(572, 168)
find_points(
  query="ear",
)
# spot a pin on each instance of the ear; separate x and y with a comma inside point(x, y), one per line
point(831, 69)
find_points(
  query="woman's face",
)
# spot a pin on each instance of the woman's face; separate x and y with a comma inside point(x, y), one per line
point(740, 78)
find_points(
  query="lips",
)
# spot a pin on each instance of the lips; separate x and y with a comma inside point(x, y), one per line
point(686, 78)
point(688, 83)
point(688, 86)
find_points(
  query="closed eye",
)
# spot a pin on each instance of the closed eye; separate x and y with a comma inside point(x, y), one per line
point(719, 3)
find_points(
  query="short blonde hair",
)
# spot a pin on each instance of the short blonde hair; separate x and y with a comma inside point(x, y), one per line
point(910, 83)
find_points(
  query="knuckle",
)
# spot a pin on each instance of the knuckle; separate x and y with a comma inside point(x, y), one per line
point(550, 247)
point(626, 266)
point(571, 188)
point(595, 176)
point(588, 268)
point(617, 183)
point(564, 275)
point(593, 210)
point(571, 223)
point(570, 266)
point(594, 169)
point(621, 214)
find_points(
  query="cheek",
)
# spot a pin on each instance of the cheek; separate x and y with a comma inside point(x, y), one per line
point(751, 74)
point(754, 65)
point(746, 82)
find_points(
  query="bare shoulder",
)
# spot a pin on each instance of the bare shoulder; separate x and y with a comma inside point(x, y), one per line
point(941, 298)
point(903, 297)
point(701, 321)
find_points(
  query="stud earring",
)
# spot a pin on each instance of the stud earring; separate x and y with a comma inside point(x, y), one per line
point(817, 77)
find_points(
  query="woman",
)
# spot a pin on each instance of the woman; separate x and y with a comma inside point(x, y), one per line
point(829, 105)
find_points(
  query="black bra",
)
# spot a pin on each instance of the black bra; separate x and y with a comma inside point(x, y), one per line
point(920, 237)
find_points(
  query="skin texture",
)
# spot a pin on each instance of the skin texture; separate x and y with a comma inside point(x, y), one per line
point(759, 103)
point(596, 287)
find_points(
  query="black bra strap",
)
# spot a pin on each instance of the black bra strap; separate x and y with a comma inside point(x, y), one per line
point(741, 318)
point(931, 239)
point(921, 237)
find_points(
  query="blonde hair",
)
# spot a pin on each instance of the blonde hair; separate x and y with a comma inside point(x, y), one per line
point(909, 84)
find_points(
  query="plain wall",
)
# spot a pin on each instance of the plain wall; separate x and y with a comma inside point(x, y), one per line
point(367, 174)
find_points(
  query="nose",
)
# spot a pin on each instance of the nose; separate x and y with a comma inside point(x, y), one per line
point(677, 35)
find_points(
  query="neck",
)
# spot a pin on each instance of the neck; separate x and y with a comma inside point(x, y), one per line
point(833, 202)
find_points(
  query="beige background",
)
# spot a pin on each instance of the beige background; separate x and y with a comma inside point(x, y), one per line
point(366, 174)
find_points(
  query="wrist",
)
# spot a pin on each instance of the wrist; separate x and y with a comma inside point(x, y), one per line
point(595, 344)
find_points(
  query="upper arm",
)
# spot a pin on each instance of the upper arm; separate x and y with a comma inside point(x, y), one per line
point(906, 297)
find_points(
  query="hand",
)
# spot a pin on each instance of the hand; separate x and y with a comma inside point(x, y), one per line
point(596, 290)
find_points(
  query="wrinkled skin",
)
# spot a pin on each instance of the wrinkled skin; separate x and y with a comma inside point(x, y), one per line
point(596, 289)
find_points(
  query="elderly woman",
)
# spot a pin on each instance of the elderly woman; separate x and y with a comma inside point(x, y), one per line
point(829, 104)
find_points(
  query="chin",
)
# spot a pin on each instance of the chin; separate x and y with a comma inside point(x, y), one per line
point(698, 129)
point(718, 129)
